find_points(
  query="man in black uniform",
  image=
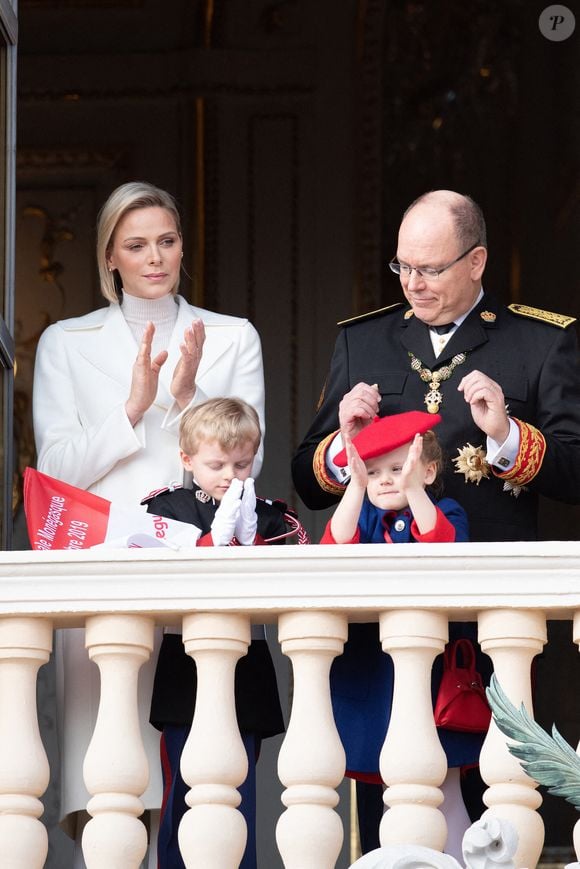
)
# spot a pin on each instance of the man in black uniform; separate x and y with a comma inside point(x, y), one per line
point(504, 379)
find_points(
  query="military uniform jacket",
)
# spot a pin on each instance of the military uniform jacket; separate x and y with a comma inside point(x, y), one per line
point(535, 363)
point(174, 690)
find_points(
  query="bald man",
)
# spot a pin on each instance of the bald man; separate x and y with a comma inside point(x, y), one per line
point(505, 379)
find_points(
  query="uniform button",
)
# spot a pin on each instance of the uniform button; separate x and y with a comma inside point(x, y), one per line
point(399, 525)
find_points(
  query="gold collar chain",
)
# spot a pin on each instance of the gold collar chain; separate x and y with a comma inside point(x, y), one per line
point(434, 397)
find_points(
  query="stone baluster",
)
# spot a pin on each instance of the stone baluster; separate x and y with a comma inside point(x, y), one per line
point(311, 762)
point(213, 832)
point(577, 824)
point(412, 762)
point(512, 638)
point(25, 644)
point(115, 770)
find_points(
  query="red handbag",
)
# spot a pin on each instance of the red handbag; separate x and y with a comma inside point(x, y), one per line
point(461, 702)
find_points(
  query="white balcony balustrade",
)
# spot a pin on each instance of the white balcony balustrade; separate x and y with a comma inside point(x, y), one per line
point(312, 592)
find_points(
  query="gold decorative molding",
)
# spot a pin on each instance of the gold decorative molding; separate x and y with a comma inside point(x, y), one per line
point(56, 229)
point(208, 17)
point(69, 158)
point(200, 216)
point(79, 94)
point(368, 47)
point(291, 123)
point(81, 4)
point(211, 204)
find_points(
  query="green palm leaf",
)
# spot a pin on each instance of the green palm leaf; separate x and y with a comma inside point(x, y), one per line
point(550, 760)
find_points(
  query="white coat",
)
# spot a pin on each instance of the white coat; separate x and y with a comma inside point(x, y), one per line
point(82, 380)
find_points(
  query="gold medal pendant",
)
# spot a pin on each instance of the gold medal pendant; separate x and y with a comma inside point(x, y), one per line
point(433, 398)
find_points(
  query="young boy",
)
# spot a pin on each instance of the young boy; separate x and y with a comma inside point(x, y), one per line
point(391, 498)
point(218, 441)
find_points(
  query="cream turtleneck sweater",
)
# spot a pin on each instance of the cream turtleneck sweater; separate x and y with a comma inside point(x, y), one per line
point(162, 313)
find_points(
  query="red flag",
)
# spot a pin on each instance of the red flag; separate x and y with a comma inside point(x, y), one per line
point(60, 516)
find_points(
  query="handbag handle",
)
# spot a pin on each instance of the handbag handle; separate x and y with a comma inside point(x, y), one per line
point(465, 646)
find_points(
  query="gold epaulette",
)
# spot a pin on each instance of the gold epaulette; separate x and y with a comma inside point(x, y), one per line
point(370, 314)
point(560, 320)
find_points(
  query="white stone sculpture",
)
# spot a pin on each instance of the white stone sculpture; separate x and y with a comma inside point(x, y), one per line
point(487, 844)
point(490, 844)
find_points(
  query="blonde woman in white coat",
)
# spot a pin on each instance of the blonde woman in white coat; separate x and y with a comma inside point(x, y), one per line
point(109, 391)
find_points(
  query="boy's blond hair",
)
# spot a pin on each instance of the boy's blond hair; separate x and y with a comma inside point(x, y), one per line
point(228, 421)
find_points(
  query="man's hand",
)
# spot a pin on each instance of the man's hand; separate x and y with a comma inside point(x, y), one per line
point(487, 402)
point(358, 408)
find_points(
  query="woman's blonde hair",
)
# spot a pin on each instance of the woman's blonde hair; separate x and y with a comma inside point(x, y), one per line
point(127, 197)
point(229, 421)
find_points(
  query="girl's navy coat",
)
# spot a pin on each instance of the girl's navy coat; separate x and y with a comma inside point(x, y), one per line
point(361, 679)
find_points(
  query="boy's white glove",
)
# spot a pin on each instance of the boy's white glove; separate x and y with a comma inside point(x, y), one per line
point(247, 522)
point(226, 515)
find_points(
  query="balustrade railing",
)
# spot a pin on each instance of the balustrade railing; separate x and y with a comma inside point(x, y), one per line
point(313, 592)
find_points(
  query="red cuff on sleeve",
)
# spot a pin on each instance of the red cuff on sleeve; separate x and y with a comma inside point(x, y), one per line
point(443, 532)
point(327, 537)
point(529, 458)
point(205, 540)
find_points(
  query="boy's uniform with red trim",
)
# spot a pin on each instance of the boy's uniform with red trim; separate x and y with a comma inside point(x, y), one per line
point(174, 690)
point(173, 701)
point(199, 508)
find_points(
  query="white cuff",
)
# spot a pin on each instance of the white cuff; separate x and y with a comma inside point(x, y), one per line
point(136, 432)
point(504, 456)
point(342, 475)
point(173, 416)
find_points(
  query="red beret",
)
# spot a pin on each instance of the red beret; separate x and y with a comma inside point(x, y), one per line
point(387, 433)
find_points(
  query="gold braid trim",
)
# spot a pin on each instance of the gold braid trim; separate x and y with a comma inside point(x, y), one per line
point(561, 320)
point(530, 456)
point(325, 481)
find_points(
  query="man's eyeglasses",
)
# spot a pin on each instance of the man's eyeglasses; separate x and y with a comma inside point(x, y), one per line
point(426, 272)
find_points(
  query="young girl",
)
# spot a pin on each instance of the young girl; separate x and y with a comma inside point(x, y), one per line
point(395, 463)
point(392, 461)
